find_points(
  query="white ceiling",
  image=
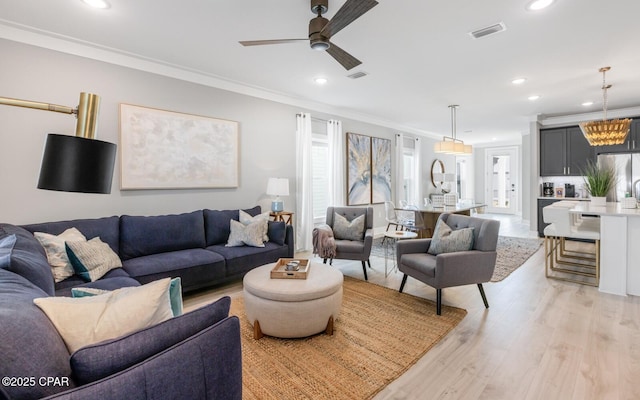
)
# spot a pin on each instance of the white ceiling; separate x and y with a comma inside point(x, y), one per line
point(418, 54)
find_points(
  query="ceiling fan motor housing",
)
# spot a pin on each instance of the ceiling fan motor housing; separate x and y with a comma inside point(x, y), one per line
point(318, 42)
point(319, 6)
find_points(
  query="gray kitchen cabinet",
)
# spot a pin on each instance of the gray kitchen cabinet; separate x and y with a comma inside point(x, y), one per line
point(564, 152)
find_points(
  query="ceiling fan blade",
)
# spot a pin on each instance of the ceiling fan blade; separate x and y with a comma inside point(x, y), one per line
point(345, 59)
point(263, 42)
point(349, 12)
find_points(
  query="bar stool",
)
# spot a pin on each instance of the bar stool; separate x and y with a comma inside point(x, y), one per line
point(564, 225)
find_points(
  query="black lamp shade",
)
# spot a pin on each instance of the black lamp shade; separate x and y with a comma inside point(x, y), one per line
point(77, 164)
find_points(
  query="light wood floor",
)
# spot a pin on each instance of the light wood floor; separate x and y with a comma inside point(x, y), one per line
point(540, 339)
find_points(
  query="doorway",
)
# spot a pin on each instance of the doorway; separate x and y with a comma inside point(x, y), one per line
point(502, 172)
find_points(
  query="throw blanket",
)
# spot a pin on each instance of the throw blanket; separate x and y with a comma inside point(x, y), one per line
point(323, 243)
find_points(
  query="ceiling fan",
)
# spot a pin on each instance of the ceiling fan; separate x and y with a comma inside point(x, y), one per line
point(322, 29)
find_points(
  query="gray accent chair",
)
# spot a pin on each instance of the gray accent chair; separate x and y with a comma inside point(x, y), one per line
point(353, 249)
point(452, 269)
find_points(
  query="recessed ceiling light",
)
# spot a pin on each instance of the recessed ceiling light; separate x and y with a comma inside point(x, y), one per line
point(536, 5)
point(97, 3)
point(587, 103)
point(494, 139)
point(519, 81)
point(320, 80)
point(534, 97)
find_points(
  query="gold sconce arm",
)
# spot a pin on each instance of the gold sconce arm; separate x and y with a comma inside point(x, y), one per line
point(86, 112)
point(74, 164)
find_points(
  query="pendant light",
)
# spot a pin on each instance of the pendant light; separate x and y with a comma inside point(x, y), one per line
point(605, 132)
point(449, 144)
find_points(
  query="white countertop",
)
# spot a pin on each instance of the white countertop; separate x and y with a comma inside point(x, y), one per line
point(563, 198)
point(611, 209)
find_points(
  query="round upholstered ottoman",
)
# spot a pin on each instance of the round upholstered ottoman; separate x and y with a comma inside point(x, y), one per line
point(292, 308)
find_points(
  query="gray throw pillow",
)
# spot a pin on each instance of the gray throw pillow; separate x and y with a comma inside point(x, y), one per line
point(345, 230)
point(446, 240)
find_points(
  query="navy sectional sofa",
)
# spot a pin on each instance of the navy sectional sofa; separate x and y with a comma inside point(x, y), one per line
point(196, 355)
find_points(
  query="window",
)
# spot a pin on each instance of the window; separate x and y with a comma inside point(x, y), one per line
point(319, 165)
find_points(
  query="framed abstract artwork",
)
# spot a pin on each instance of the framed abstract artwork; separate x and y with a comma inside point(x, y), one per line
point(358, 169)
point(170, 150)
point(380, 170)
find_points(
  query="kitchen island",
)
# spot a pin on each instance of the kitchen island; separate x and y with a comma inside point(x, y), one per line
point(619, 247)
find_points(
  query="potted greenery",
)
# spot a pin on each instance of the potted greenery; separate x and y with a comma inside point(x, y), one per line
point(598, 180)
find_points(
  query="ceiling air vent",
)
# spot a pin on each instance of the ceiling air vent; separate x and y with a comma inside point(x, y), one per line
point(489, 30)
point(357, 75)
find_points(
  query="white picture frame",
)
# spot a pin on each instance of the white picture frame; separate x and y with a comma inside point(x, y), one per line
point(169, 150)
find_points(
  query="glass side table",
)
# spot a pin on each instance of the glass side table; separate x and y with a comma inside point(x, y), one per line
point(395, 235)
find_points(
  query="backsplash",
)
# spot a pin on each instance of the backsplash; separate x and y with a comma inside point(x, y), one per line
point(559, 181)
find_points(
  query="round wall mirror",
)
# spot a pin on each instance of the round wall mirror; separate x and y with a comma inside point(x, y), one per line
point(437, 172)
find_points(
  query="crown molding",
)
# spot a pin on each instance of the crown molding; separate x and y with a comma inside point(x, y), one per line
point(64, 44)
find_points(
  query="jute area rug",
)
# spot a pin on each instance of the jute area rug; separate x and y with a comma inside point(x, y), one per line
point(512, 253)
point(379, 334)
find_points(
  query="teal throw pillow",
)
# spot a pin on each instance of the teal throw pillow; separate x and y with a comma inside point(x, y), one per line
point(446, 240)
point(348, 230)
point(92, 259)
point(175, 294)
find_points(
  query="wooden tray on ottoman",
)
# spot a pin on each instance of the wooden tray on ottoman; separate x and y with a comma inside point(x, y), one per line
point(280, 272)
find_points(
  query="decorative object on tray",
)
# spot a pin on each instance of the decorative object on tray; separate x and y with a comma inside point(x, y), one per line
point(291, 268)
point(170, 150)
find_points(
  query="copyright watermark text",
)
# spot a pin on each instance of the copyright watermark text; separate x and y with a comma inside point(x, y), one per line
point(28, 381)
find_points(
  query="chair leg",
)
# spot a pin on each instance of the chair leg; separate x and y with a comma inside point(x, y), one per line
point(324, 261)
point(331, 261)
point(484, 297)
point(439, 301)
point(369, 263)
point(404, 280)
point(364, 269)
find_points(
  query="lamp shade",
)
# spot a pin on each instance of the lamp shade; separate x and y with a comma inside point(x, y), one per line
point(278, 187)
point(77, 164)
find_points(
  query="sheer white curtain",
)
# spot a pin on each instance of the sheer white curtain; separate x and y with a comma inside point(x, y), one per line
point(304, 183)
point(337, 194)
point(417, 177)
point(399, 168)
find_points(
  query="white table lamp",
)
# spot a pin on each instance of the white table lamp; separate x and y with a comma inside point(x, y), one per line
point(277, 187)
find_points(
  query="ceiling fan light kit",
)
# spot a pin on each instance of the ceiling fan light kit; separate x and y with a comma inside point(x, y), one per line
point(321, 30)
point(605, 132)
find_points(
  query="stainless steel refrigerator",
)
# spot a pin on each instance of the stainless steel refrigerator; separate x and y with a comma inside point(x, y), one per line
point(628, 167)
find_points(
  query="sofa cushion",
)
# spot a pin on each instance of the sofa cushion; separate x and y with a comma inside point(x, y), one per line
point(54, 246)
point(142, 236)
point(217, 223)
point(99, 360)
point(277, 232)
point(29, 344)
point(196, 267)
point(112, 280)
point(107, 228)
point(240, 260)
point(87, 320)
point(28, 258)
point(92, 259)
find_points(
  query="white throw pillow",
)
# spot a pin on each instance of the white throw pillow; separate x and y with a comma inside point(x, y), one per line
point(56, 252)
point(251, 234)
point(92, 259)
point(87, 320)
point(446, 240)
point(263, 218)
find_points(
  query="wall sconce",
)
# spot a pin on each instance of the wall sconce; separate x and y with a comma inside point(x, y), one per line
point(277, 187)
point(74, 163)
